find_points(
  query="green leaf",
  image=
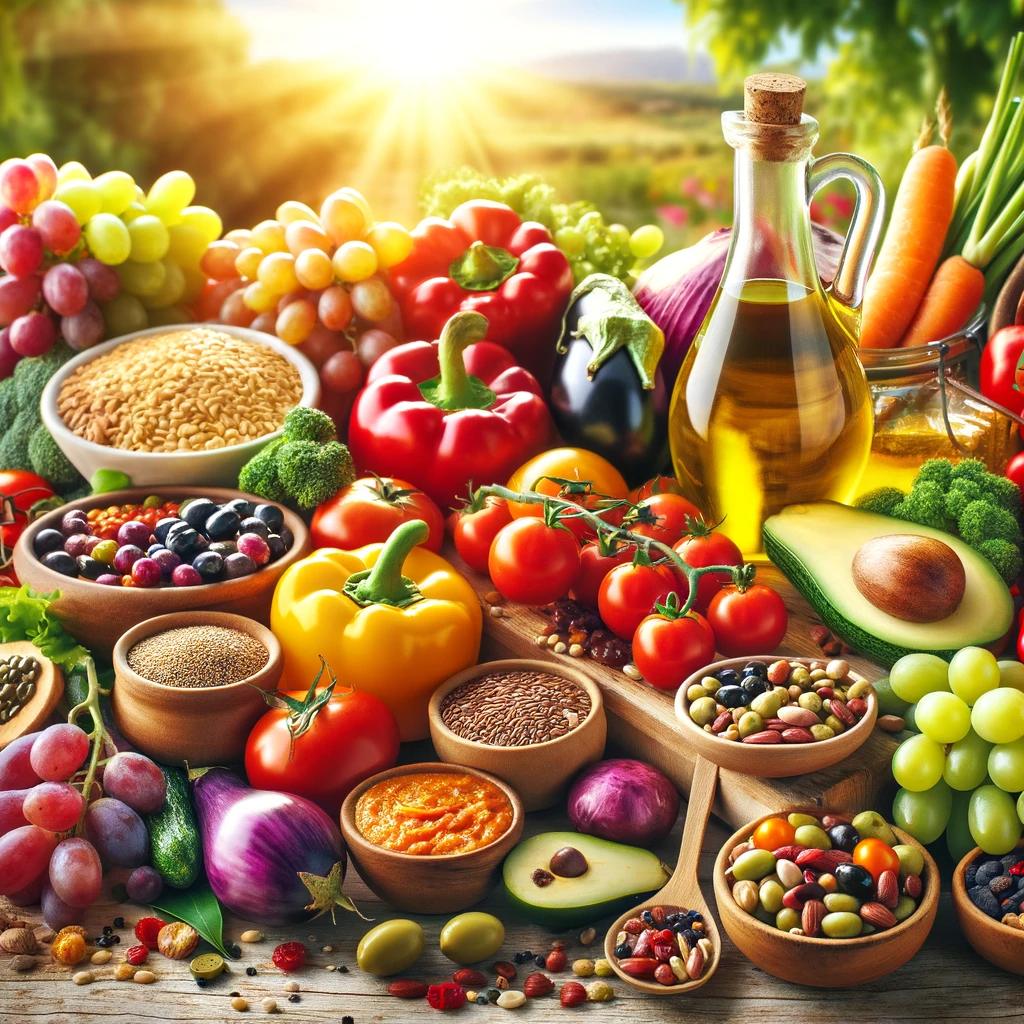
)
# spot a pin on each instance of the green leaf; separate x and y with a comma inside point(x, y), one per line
point(26, 615)
point(198, 907)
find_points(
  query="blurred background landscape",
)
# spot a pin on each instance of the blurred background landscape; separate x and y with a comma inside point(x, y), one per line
point(611, 101)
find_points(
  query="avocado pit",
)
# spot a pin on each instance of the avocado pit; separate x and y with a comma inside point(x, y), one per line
point(913, 578)
point(568, 862)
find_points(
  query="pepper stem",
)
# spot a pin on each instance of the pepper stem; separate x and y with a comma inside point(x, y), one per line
point(384, 583)
point(482, 268)
point(454, 388)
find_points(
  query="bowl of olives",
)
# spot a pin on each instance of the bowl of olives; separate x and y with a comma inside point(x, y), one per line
point(125, 556)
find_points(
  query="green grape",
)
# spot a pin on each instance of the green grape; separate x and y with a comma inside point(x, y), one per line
point(917, 763)
point(171, 291)
point(888, 702)
point(169, 195)
point(1020, 807)
point(998, 715)
point(914, 675)
point(72, 171)
point(967, 763)
point(117, 191)
point(591, 224)
point(959, 840)
point(570, 240)
point(972, 672)
point(169, 317)
point(924, 814)
point(994, 821)
point(124, 315)
point(195, 284)
point(943, 717)
point(910, 718)
point(133, 212)
point(1006, 766)
point(187, 244)
point(150, 239)
point(82, 197)
point(204, 220)
point(108, 239)
point(1011, 673)
point(141, 278)
point(646, 241)
point(618, 235)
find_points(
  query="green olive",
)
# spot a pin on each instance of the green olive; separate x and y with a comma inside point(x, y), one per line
point(754, 865)
point(814, 836)
point(749, 723)
point(391, 947)
point(787, 918)
point(839, 902)
point(841, 925)
point(695, 692)
point(703, 710)
point(470, 938)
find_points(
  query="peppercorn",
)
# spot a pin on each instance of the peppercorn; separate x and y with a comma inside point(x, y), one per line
point(201, 982)
point(294, 997)
point(347, 1020)
point(118, 922)
point(107, 929)
point(116, 939)
point(235, 950)
point(540, 960)
point(251, 971)
point(521, 958)
point(342, 969)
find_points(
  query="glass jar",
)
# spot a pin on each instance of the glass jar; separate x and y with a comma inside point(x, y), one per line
point(927, 406)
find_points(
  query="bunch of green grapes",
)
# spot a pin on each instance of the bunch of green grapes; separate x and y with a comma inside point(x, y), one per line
point(153, 239)
point(962, 774)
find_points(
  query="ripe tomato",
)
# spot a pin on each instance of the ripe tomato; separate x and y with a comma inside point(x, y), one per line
point(876, 856)
point(474, 532)
point(773, 833)
point(668, 649)
point(564, 464)
point(628, 594)
point(367, 512)
point(352, 736)
point(594, 566)
point(659, 485)
point(22, 489)
point(1015, 470)
point(533, 563)
point(707, 547)
point(672, 515)
point(749, 621)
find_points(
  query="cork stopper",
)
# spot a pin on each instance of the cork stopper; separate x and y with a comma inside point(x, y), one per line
point(773, 99)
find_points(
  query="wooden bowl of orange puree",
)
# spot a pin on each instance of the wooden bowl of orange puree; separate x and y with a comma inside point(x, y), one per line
point(431, 837)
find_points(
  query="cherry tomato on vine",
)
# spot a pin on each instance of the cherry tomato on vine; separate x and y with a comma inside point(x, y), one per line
point(603, 507)
point(671, 514)
point(773, 833)
point(628, 594)
point(668, 648)
point(748, 621)
point(704, 547)
point(594, 566)
point(369, 510)
point(1015, 470)
point(22, 489)
point(574, 464)
point(876, 856)
point(474, 532)
point(532, 562)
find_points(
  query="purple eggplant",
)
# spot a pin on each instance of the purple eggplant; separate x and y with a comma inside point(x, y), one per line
point(272, 858)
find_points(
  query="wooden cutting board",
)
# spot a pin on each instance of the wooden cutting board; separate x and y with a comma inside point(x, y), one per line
point(641, 720)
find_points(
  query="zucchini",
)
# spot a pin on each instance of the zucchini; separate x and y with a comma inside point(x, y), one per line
point(177, 851)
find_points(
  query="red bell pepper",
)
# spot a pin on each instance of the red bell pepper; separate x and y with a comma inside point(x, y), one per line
point(488, 260)
point(446, 413)
point(999, 373)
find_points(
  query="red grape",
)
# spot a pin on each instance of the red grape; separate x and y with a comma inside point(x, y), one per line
point(8, 357)
point(21, 250)
point(85, 329)
point(144, 884)
point(234, 311)
point(33, 334)
point(265, 322)
point(56, 806)
point(372, 344)
point(15, 763)
point(57, 225)
point(46, 173)
point(29, 895)
point(117, 832)
point(218, 261)
point(56, 913)
point(7, 218)
point(24, 854)
point(19, 186)
point(76, 873)
point(342, 372)
point(322, 344)
point(371, 299)
point(214, 294)
point(135, 780)
point(65, 289)
point(104, 284)
point(59, 751)
point(17, 296)
point(335, 308)
point(11, 814)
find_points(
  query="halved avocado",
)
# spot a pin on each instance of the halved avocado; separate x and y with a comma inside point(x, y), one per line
point(814, 546)
point(617, 878)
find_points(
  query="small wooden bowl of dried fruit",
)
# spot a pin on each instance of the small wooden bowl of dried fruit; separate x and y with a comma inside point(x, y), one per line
point(534, 724)
point(999, 939)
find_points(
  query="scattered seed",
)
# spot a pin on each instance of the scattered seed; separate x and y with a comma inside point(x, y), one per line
point(238, 1003)
point(252, 935)
point(83, 977)
point(632, 671)
point(269, 1005)
point(496, 612)
point(101, 956)
point(576, 651)
point(124, 972)
point(326, 949)
point(144, 977)
point(330, 967)
point(493, 597)
point(291, 986)
point(587, 936)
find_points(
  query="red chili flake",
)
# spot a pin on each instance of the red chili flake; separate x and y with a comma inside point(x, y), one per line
point(137, 955)
point(446, 996)
point(1018, 868)
point(147, 929)
point(289, 956)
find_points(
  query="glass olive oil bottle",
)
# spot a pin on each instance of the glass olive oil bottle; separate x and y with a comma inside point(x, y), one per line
point(771, 406)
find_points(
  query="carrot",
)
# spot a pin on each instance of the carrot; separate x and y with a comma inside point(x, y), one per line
point(952, 297)
point(912, 246)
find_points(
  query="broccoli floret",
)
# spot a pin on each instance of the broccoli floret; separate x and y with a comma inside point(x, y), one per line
point(14, 443)
point(882, 500)
point(1005, 558)
point(925, 505)
point(31, 375)
point(982, 521)
point(939, 471)
point(259, 474)
point(302, 424)
point(969, 469)
point(311, 473)
point(960, 495)
point(51, 463)
point(1004, 493)
point(8, 404)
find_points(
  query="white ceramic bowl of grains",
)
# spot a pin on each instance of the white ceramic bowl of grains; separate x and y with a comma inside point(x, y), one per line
point(189, 404)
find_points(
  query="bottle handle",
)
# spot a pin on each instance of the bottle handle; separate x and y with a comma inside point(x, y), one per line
point(865, 226)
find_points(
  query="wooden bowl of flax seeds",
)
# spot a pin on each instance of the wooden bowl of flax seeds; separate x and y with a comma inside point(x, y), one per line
point(534, 724)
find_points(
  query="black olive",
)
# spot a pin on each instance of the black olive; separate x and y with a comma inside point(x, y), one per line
point(183, 541)
point(855, 881)
point(568, 862)
point(222, 525)
point(46, 541)
point(242, 506)
point(844, 837)
point(732, 696)
point(756, 668)
point(209, 565)
point(196, 512)
point(754, 686)
point(287, 536)
point(163, 527)
point(727, 676)
point(223, 547)
point(254, 525)
point(238, 565)
point(88, 567)
point(271, 515)
point(60, 561)
point(276, 546)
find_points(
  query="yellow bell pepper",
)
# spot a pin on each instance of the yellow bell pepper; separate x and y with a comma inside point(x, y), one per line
point(393, 635)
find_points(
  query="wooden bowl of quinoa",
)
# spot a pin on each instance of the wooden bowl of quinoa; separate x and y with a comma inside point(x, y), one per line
point(179, 692)
point(189, 404)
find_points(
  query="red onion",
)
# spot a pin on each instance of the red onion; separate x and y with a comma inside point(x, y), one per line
point(625, 801)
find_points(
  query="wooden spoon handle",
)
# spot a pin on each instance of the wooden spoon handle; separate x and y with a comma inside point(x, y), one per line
point(698, 810)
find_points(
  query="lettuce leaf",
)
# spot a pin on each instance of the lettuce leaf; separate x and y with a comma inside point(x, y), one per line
point(26, 615)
